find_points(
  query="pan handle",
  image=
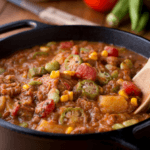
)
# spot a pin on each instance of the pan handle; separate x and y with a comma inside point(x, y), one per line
point(23, 24)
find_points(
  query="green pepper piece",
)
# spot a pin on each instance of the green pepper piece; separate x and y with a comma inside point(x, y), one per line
point(89, 89)
point(24, 124)
point(39, 53)
point(54, 65)
point(33, 72)
point(73, 111)
point(70, 58)
point(54, 94)
point(2, 70)
point(104, 77)
point(114, 74)
point(35, 83)
point(84, 49)
point(49, 44)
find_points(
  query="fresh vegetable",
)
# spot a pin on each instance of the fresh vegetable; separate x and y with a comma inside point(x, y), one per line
point(39, 54)
point(126, 64)
point(54, 65)
point(55, 74)
point(72, 59)
point(114, 74)
point(85, 71)
point(33, 72)
point(15, 109)
point(130, 122)
point(104, 77)
point(118, 12)
point(112, 104)
point(135, 11)
point(66, 45)
point(2, 70)
point(117, 126)
point(54, 94)
point(49, 44)
point(23, 124)
point(101, 5)
point(35, 83)
point(142, 22)
point(44, 108)
point(111, 51)
point(131, 89)
point(74, 114)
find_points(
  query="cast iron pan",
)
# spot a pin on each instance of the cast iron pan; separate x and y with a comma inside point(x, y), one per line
point(13, 137)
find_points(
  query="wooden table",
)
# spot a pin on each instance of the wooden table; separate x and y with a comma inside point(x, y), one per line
point(9, 12)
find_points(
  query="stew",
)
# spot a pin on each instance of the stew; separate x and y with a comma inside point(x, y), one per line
point(71, 87)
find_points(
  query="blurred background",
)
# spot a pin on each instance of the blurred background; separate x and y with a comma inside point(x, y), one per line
point(96, 11)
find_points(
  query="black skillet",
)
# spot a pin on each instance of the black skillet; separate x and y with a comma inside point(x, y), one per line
point(13, 137)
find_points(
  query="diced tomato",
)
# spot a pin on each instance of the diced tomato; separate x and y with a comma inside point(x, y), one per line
point(131, 89)
point(111, 51)
point(44, 108)
point(67, 85)
point(86, 72)
point(15, 110)
point(66, 45)
point(75, 52)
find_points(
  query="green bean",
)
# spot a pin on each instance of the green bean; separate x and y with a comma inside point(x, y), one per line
point(142, 22)
point(50, 43)
point(2, 70)
point(24, 124)
point(117, 126)
point(33, 72)
point(54, 94)
point(118, 12)
point(134, 12)
point(130, 122)
point(39, 53)
point(54, 65)
point(35, 83)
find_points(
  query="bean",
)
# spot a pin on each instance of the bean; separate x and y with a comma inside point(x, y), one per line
point(24, 124)
point(35, 83)
point(54, 94)
point(54, 65)
point(117, 126)
point(130, 122)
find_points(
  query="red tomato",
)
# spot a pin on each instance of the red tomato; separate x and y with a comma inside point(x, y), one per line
point(67, 86)
point(131, 89)
point(15, 110)
point(44, 108)
point(111, 51)
point(101, 5)
point(66, 45)
point(86, 72)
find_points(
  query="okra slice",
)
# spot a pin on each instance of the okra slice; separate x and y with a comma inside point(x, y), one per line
point(72, 60)
point(126, 64)
point(71, 113)
point(39, 54)
point(104, 77)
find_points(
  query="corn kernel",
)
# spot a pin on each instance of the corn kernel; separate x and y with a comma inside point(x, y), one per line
point(70, 94)
point(24, 75)
point(70, 73)
point(122, 93)
point(69, 130)
point(134, 101)
point(44, 48)
point(88, 64)
point(55, 74)
point(64, 98)
point(26, 87)
point(104, 53)
point(93, 56)
point(120, 81)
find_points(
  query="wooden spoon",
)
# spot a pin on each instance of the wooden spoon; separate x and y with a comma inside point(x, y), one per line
point(142, 80)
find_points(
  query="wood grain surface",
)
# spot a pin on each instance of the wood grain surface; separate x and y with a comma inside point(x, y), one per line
point(9, 13)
